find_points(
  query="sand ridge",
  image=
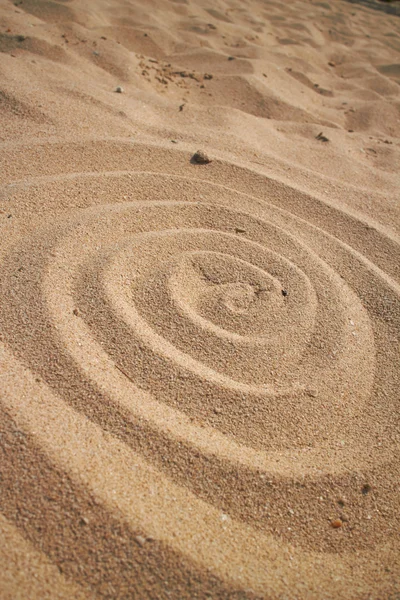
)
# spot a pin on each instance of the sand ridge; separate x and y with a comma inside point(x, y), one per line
point(199, 362)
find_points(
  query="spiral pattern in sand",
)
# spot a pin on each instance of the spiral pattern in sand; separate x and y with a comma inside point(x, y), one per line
point(213, 341)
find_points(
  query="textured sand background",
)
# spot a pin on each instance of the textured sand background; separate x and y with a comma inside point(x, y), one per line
point(199, 363)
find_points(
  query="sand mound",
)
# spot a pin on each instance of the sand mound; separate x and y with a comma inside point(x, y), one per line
point(199, 362)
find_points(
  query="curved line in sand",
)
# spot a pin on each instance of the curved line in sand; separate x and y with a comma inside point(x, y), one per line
point(77, 338)
point(77, 346)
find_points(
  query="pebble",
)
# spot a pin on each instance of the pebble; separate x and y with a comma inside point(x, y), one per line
point(119, 89)
point(200, 158)
point(322, 137)
point(336, 524)
point(140, 540)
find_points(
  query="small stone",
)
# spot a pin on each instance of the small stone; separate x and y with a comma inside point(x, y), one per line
point(240, 230)
point(331, 63)
point(200, 158)
point(231, 58)
point(119, 89)
point(139, 539)
point(75, 312)
point(284, 293)
point(366, 488)
point(313, 392)
point(336, 524)
point(181, 107)
point(321, 137)
point(208, 76)
point(217, 410)
point(84, 521)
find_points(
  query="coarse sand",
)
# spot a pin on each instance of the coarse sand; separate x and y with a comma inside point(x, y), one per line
point(199, 299)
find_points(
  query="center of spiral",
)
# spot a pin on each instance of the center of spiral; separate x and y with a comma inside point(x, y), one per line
point(238, 297)
point(213, 301)
point(229, 292)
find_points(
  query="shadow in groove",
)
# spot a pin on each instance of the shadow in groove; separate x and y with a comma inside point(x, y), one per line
point(391, 8)
point(89, 544)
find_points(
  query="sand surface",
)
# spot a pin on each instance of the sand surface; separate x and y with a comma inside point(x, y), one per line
point(199, 362)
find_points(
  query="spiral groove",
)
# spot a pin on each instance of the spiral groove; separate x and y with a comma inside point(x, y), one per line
point(217, 335)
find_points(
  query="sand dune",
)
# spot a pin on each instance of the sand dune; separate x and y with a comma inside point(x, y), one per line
point(199, 365)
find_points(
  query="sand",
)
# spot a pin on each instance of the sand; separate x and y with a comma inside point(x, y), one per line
point(199, 299)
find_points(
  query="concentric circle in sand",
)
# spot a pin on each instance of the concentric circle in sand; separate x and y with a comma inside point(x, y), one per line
point(219, 355)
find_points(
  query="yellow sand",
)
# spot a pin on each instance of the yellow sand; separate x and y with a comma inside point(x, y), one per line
point(199, 363)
